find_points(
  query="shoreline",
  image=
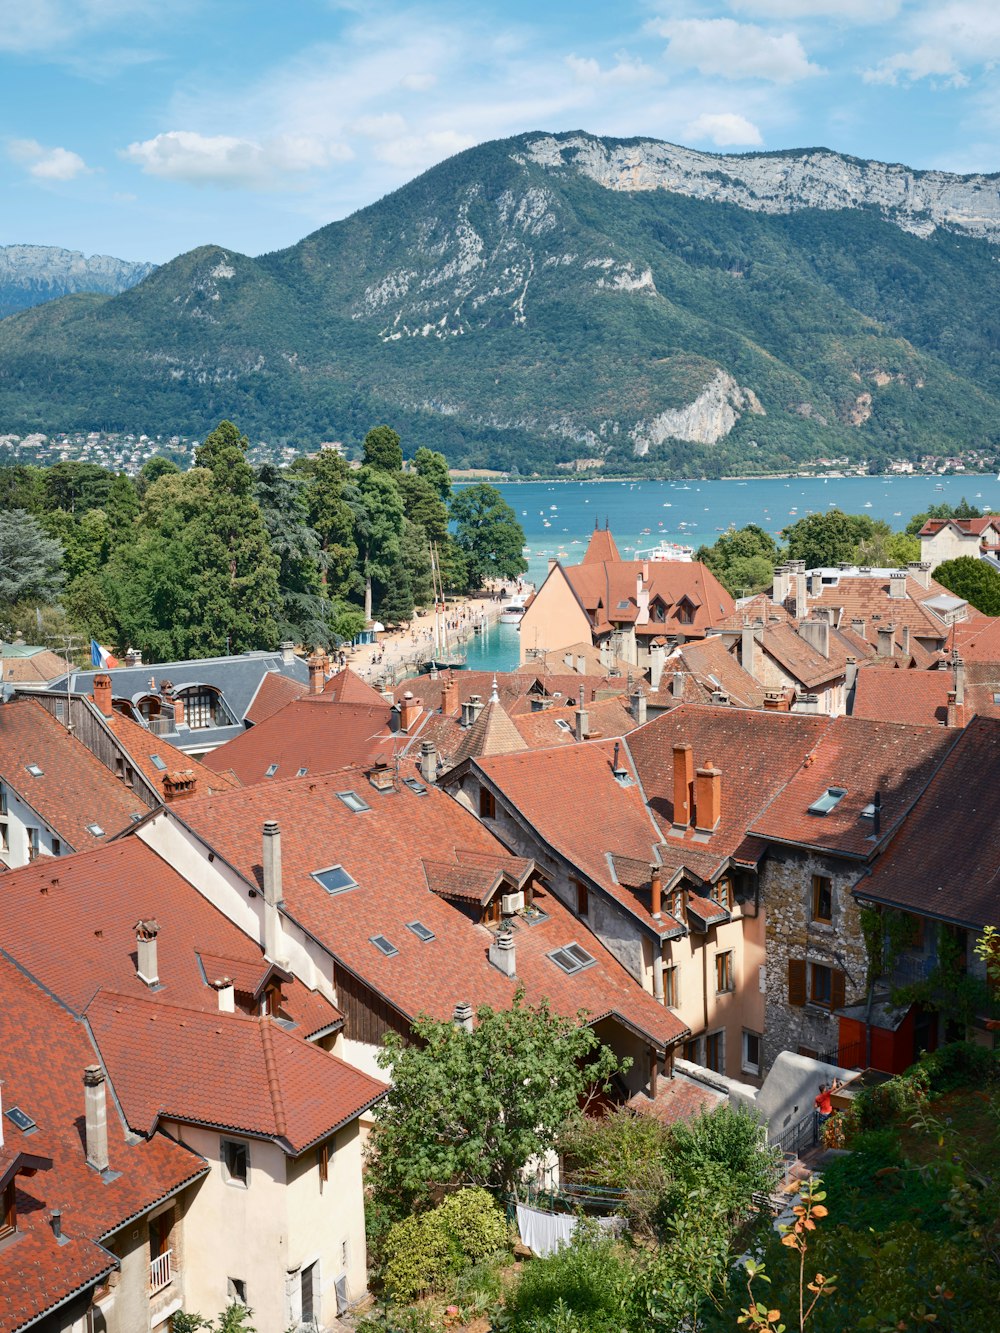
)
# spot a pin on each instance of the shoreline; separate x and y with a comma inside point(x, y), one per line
point(400, 652)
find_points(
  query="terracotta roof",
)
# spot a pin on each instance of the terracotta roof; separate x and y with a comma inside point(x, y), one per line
point(70, 924)
point(384, 849)
point(800, 659)
point(972, 527)
point(919, 697)
point(492, 733)
point(867, 598)
point(243, 1074)
point(945, 859)
point(274, 691)
point(609, 717)
point(860, 758)
point(141, 745)
point(21, 663)
point(561, 661)
point(978, 641)
point(38, 1273)
point(314, 733)
point(74, 790)
point(713, 667)
point(347, 687)
point(601, 547)
point(678, 1098)
point(753, 608)
point(607, 591)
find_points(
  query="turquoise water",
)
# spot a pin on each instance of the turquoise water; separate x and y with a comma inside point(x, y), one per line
point(695, 513)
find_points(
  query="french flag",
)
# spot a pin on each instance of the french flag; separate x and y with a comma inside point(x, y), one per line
point(100, 657)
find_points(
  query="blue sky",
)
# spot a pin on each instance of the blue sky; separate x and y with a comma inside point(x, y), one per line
point(141, 128)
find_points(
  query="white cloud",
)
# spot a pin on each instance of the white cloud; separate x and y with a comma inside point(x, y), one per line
point(850, 11)
point(418, 83)
point(224, 160)
point(418, 151)
point(724, 128)
point(943, 41)
point(731, 50)
point(48, 164)
point(54, 25)
point(625, 70)
point(921, 63)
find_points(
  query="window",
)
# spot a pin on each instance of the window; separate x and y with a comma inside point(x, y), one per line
point(724, 981)
point(820, 984)
point(822, 899)
point(692, 1050)
point(582, 898)
point(815, 983)
point(8, 1209)
point(671, 986)
point(32, 835)
point(416, 787)
point(271, 770)
point(235, 1161)
point(658, 612)
point(34, 770)
point(95, 830)
point(751, 1052)
point(623, 606)
point(4, 838)
point(487, 804)
point(572, 958)
point(830, 799)
point(562, 724)
point(715, 1052)
point(201, 708)
point(56, 847)
point(383, 945)
point(721, 894)
point(271, 1003)
point(335, 879)
point(157, 762)
point(302, 772)
point(21, 1119)
point(236, 1289)
point(685, 611)
point(353, 801)
point(3, 799)
point(323, 1161)
point(422, 932)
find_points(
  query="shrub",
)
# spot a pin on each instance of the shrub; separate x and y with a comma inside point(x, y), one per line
point(477, 1226)
point(960, 1064)
point(420, 1255)
point(583, 1286)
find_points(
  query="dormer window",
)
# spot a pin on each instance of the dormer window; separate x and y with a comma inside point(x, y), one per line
point(684, 612)
point(657, 611)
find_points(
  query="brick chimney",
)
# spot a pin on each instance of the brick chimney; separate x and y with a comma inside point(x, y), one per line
point(708, 799)
point(226, 991)
point(317, 672)
point(96, 1117)
point(886, 641)
point(637, 704)
point(656, 891)
point(179, 785)
point(817, 634)
point(774, 700)
point(897, 584)
point(462, 1016)
point(178, 713)
point(102, 693)
point(502, 951)
point(428, 761)
point(955, 718)
point(145, 940)
point(409, 711)
point(683, 781)
point(449, 696)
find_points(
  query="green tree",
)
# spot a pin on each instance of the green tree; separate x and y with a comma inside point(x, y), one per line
point(488, 535)
point(122, 509)
point(433, 467)
point(416, 557)
point(743, 559)
point(332, 518)
point(477, 1106)
point(281, 496)
point(29, 560)
point(378, 521)
point(76, 487)
point(383, 450)
point(973, 579)
point(827, 539)
point(152, 470)
point(395, 605)
point(422, 504)
point(22, 487)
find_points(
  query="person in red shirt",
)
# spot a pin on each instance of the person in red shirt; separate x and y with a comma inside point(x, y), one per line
point(822, 1102)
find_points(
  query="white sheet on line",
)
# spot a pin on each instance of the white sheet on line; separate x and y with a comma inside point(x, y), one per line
point(543, 1233)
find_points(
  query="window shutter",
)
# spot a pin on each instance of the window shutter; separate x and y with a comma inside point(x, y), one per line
point(838, 988)
point(796, 981)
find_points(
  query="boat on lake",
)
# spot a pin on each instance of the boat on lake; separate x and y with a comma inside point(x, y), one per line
point(666, 551)
point(513, 609)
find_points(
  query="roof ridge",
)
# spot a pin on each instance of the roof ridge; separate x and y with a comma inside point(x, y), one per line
point(273, 1082)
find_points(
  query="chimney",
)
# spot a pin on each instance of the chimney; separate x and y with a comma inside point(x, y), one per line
point(708, 799)
point(55, 1222)
point(552, 564)
point(449, 696)
point(657, 656)
point(683, 781)
point(958, 666)
point(133, 658)
point(748, 648)
point(921, 571)
point(605, 655)
point(288, 652)
point(851, 673)
point(582, 722)
point(800, 609)
point(773, 699)
point(779, 589)
point(226, 991)
point(317, 673)
point(475, 705)
point(462, 1016)
point(178, 713)
point(677, 685)
point(656, 891)
point(145, 939)
point(102, 693)
point(502, 951)
point(428, 761)
point(95, 1105)
point(906, 641)
point(953, 714)
point(271, 868)
point(817, 634)
point(806, 703)
point(617, 767)
point(860, 628)
point(409, 711)
point(886, 641)
point(637, 705)
point(645, 571)
point(897, 584)
point(179, 785)
point(581, 664)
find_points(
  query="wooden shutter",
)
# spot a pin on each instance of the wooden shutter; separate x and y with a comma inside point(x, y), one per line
point(838, 988)
point(796, 981)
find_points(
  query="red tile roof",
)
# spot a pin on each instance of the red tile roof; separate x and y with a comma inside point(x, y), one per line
point(607, 591)
point(70, 923)
point(601, 547)
point(75, 789)
point(710, 666)
point(38, 1273)
point(861, 597)
point(945, 859)
point(384, 849)
point(973, 527)
point(493, 732)
point(609, 717)
point(22, 664)
point(677, 1099)
point(238, 1073)
point(919, 697)
point(347, 687)
point(140, 745)
point(978, 641)
point(273, 692)
point(314, 733)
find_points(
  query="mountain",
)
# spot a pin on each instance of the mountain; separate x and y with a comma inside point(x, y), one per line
point(31, 274)
point(546, 297)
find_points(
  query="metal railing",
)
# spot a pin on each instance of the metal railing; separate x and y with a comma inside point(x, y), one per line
point(910, 968)
point(803, 1134)
point(850, 1055)
point(161, 1272)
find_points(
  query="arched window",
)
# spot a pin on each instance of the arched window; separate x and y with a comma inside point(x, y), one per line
point(202, 707)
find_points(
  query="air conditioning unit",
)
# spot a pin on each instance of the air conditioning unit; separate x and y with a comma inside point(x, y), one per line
point(511, 903)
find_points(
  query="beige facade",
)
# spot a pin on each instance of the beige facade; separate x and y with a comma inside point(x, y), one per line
point(555, 619)
point(949, 543)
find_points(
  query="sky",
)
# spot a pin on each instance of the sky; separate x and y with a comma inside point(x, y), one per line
point(143, 128)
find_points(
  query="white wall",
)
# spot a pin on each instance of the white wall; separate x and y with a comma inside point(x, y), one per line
point(14, 848)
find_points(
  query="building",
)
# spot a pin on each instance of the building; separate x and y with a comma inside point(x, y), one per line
point(944, 539)
point(22, 663)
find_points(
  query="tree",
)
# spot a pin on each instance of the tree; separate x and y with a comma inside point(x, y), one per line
point(743, 559)
point(974, 580)
point(22, 487)
point(416, 557)
point(122, 508)
point(378, 520)
point(29, 560)
point(827, 539)
point(433, 467)
point(477, 1106)
point(326, 476)
point(422, 504)
point(383, 449)
point(76, 487)
point(395, 606)
point(281, 496)
point(488, 535)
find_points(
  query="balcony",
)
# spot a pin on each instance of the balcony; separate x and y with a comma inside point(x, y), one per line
point(161, 1272)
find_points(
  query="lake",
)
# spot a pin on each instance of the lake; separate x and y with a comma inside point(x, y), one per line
point(558, 518)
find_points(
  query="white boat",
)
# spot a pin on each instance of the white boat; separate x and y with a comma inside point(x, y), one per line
point(666, 551)
point(868, 504)
point(513, 609)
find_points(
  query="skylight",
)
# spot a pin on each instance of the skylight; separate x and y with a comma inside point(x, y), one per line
point(335, 879)
point(383, 945)
point(272, 769)
point(623, 606)
point(420, 930)
point(562, 724)
point(572, 958)
point(302, 772)
point(830, 799)
point(353, 801)
point(96, 830)
point(415, 786)
point(35, 771)
point(157, 762)
point(21, 1119)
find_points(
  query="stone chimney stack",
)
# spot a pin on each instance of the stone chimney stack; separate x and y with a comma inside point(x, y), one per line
point(582, 719)
point(657, 656)
point(886, 641)
point(683, 782)
point(656, 891)
point(317, 672)
point(409, 711)
point(581, 664)
point(133, 657)
point(462, 1016)
point(271, 867)
point(449, 696)
point(677, 685)
point(708, 799)
point(475, 707)
point(779, 589)
point(147, 967)
point(906, 640)
point(748, 649)
point(954, 716)
point(428, 761)
point(102, 693)
point(637, 704)
point(288, 652)
point(801, 608)
point(860, 628)
point(96, 1115)
point(897, 584)
point(502, 951)
point(817, 634)
point(958, 666)
point(226, 991)
point(851, 673)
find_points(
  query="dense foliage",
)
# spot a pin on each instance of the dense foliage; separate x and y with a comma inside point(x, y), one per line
point(227, 558)
point(514, 341)
point(423, 1251)
point(974, 580)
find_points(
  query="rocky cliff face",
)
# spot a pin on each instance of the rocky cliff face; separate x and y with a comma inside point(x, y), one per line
point(917, 201)
point(31, 274)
